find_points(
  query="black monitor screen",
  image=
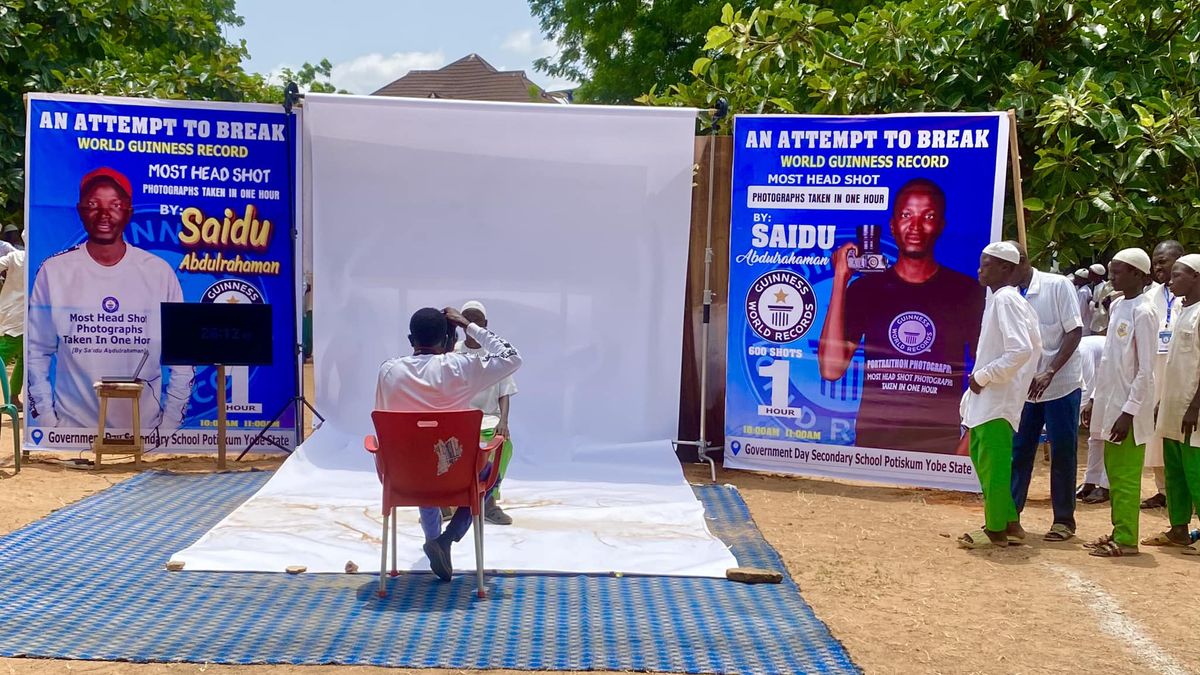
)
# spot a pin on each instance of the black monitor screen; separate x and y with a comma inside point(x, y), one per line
point(197, 334)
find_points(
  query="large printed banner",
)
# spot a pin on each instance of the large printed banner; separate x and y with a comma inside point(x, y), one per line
point(131, 203)
point(854, 308)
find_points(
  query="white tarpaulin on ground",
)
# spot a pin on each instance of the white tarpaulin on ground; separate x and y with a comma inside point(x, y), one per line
point(571, 225)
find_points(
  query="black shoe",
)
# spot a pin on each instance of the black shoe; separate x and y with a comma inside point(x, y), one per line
point(1084, 490)
point(438, 552)
point(1158, 501)
point(1097, 496)
point(493, 514)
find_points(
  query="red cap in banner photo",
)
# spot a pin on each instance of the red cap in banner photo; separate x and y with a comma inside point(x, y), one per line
point(109, 173)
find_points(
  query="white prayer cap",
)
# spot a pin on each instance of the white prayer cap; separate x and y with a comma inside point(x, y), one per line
point(1098, 269)
point(1192, 260)
point(1135, 258)
point(1004, 251)
point(475, 305)
point(1081, 273)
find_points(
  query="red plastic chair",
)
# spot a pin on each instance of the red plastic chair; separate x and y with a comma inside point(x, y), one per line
point(416, 462)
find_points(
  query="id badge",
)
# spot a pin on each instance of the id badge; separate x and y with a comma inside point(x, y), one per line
point(1164, 341)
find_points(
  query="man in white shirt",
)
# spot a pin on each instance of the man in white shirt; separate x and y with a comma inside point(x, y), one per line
point(1179, 409)
point(1101, 289)
point(1005, 363)
point(1054, 396)
point(1095, 482)
point(1166, 308)
point(436, 378)
point(12, 319)
point(1084, 293)
point(1121, 411)
point(495, 402)
point(95, 310)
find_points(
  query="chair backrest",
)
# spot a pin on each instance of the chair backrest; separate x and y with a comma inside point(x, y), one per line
point(428, 458)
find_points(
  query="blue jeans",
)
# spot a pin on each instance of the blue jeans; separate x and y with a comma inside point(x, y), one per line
point(1060, 418)
point(456, 529)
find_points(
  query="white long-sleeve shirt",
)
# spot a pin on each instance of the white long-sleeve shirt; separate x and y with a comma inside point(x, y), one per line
point(1125, 378)
point(445, 381)
point(1005, 361)
point(1166, 310)
point(12, 296)
point(1180, 375)
point(94, 320)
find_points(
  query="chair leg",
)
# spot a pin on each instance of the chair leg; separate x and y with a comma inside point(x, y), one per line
point(383, 557)
point(479, 589)
point(395, 572)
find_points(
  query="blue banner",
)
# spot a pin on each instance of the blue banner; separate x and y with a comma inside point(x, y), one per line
point(854, 308)
point(132, 203)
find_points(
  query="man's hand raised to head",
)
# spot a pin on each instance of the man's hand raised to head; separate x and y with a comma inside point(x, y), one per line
point(455, 317)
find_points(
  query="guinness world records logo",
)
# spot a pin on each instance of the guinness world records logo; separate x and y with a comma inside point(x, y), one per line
point(781, 306)
point(912, 333)
point(234, 291)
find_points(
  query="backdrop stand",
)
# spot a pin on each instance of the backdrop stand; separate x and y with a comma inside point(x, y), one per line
point(701, 442)
point(291, 96)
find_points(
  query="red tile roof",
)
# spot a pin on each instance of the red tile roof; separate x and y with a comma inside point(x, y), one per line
point(469, 78)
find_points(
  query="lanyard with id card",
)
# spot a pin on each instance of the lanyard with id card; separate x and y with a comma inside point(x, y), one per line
point(1164, 335)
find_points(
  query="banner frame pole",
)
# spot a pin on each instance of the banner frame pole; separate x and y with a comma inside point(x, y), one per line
point(1014, 157)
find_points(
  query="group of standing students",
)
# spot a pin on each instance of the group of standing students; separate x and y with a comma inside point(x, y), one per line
point(1029, 377)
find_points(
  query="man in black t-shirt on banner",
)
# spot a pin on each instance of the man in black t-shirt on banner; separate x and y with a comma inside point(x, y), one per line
point(918, 322)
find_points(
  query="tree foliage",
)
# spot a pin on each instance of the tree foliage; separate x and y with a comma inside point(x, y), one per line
point(1106, 93)
point(171, 49)
point(619, 48)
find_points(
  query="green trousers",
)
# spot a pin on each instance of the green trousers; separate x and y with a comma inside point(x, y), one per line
point(991, 453)
point(505, 455)
point(1123, 463)
point(1182, 465)
point(12, 352)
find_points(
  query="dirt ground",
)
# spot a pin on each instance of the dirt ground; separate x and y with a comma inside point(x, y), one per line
point(878, 565)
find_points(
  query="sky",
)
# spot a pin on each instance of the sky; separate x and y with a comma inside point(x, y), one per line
point(372, 42)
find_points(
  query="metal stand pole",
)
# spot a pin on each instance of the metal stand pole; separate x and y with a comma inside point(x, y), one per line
point(291, 96)
point(702, 445)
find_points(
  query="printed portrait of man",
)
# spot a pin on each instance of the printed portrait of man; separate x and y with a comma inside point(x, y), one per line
point(917, 321)
point(94, 311)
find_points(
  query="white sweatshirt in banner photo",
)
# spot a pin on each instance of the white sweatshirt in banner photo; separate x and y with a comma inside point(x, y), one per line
point(96, 321)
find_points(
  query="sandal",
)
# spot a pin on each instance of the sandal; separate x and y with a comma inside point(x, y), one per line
point(1163, 539)
point(975, 540)
point(1112, 549)
point(1190, 550)
point(1099, 543)
point(1058, 532)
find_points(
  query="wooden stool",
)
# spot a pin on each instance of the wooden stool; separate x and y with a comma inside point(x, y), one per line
point(119, 446)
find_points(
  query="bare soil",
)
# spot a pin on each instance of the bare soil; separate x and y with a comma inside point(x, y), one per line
point(878, 565)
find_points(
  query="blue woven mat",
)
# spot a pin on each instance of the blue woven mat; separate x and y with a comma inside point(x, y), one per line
point(88, 582)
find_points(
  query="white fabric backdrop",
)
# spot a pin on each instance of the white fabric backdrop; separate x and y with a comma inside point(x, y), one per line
point(571, 224)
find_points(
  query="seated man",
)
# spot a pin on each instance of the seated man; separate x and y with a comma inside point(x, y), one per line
point(435, 378)
point(494, 402)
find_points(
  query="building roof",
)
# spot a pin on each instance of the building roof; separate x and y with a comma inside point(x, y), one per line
point(470, 78)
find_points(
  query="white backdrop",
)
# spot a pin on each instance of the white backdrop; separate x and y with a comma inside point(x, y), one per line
point(571, 224)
